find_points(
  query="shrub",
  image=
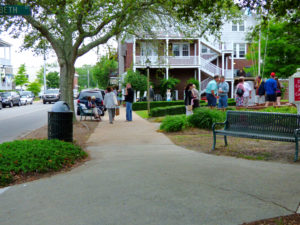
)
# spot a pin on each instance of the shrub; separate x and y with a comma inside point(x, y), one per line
point(23, 157)
point(143, 105)
point(173, 123)
point(205, 117)
point(169, 110)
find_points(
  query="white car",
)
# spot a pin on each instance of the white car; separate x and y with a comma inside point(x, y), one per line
point(26, 97)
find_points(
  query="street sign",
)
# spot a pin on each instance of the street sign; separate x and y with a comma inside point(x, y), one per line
point(15, 10)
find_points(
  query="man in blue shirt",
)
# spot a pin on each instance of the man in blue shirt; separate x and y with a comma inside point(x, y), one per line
point(270, 88)
point(212, 91)
point(223, 93)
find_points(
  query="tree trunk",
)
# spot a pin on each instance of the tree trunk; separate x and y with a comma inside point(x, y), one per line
point(67, 70)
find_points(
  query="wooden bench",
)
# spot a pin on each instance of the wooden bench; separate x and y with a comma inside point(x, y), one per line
point(84, 112)
point(260, 125)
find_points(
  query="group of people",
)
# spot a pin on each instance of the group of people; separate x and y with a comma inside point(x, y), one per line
point(191, 99)
point(217, 93)
point(266, 92)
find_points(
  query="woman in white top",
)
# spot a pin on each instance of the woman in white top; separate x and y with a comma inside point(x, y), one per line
point(110, 102)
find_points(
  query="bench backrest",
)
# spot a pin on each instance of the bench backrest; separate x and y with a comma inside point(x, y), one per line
point(262, 122)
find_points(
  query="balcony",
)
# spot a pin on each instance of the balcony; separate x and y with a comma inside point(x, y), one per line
point(4, 61)
point(167, 60)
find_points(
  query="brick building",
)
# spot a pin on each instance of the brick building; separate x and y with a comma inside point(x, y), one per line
point(173, 55)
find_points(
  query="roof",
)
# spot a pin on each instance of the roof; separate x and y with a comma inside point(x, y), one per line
point(4, 44)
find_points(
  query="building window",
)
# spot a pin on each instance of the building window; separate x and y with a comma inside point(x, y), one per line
point(239, 50)
point(181, 49)
point(242, 50)
point(185, 50)
point(238, 26)
point(204, 49)
point(176, 50)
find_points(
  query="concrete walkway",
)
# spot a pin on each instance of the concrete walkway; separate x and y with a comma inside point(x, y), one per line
point(137, 176)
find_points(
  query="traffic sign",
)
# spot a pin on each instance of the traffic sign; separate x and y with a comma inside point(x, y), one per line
point(15, 10)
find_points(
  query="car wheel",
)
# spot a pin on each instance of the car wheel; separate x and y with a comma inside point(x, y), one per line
point(19, 103)
point(44, 102)
point(11, 104)
point(78, 112)
point(1, 106)
point(31, 102)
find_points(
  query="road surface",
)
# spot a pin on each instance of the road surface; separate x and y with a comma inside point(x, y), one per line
point(18, 121)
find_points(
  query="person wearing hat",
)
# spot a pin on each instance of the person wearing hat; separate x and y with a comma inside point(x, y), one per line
point(270, 88)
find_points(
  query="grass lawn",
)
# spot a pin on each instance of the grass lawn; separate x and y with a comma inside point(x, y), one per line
point(143, 114)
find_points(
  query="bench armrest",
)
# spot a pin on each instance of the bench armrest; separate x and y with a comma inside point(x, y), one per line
point(215, 124)
point(297, 132)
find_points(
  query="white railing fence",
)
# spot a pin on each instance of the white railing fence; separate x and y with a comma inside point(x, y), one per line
point(204, 83)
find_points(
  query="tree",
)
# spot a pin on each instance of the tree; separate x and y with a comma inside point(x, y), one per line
point(166, 84)
point(34, 87)
point(52, 80)
point(85, 75)
point(137, 81)
point(280, 49)
point(20, 78)
point(193, 81)
point(72, 28)
point(103, 69)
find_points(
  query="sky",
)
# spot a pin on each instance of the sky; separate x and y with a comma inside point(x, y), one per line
point(34, 63)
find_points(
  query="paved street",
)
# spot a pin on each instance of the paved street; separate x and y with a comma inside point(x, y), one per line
point(137, 176)
point(17, 121)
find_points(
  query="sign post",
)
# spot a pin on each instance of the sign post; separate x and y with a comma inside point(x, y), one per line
point(15, 10)
point(294, 89)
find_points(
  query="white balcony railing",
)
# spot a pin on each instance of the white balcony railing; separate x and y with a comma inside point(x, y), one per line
point(167, 60)
point(4, 61)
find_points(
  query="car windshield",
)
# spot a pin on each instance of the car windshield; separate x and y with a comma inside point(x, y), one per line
point(52, 92)
point(84, 95)
point(25, 93)
point(5, 94)
point(23, 96)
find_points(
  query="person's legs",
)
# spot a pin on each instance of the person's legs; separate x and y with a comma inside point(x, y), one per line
point(278, 98)
point(225, 102)
point(110, 115)
point(95, 112)
point(246, 100)
point(129, 111)
point(113, 110)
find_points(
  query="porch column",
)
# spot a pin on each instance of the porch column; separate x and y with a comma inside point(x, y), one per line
point(223, 64)
point(167, 53)
point(167, 73)
point(199, 79)
point(195, 74)
point(232, 75)
point(133, 54)
point(199, 52)
point(226, 66)
point(9, 54)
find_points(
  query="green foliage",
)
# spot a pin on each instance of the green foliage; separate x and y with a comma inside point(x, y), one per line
point(52, 80)
point(34, 87)
point(143, 105)
point(168, 110)
point(205, 117)
point(20, 78)
point(173, 123)
point(165, 84)
point(83, 77)
point(143, 114)
point(282, 44)
point(35, 156)
point(102, 70)
point(137, 81)
point(193, 81)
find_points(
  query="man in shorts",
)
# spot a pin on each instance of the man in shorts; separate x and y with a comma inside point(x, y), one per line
point(270, 88)
point(212, 91)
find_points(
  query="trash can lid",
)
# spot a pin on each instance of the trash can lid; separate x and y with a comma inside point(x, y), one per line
point(61, 106)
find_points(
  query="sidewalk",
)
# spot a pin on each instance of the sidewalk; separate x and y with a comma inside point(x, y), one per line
point(137, 176)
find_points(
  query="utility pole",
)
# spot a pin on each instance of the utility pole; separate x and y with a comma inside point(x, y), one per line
point(45, 87)
point(88, 76)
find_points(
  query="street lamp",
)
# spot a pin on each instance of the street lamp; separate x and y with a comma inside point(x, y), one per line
point(148, 63)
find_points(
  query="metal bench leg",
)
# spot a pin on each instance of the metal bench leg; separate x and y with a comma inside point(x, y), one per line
point(296, 151)
point(214, 143)
point(225, 140)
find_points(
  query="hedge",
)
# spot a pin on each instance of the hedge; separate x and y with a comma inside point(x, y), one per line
point(173, 123)
point(143, 105)
point(169, 110)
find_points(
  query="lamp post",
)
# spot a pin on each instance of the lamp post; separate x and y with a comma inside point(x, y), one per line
point(148, 63)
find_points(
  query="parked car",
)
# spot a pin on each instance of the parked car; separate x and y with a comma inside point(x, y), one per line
point(83, 95)
point(26, 97)
point(1, 106)
point(51, 95)
point(10, 99)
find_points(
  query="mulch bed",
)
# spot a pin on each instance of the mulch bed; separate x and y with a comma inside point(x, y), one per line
point(293, 219)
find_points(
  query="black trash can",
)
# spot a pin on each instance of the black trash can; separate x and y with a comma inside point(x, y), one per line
point(60, 122)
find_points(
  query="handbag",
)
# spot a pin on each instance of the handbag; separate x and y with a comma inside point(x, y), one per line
point(117, 111)
point(189, 107)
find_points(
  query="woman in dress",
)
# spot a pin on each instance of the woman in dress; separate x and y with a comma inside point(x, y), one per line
point(240, 94)
point(188, 99)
